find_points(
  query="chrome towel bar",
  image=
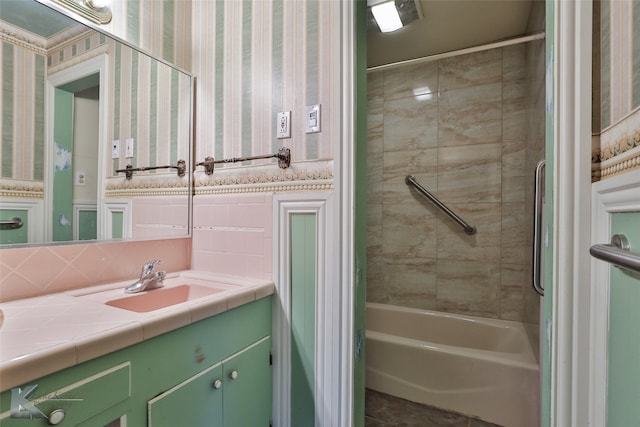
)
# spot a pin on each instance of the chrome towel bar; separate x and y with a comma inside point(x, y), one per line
point(617, 253)
point(283, 155)
point(181, 167)
point(469, 229)
point(12, 223)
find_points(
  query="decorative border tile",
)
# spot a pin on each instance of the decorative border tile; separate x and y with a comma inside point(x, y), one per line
point(620, 148)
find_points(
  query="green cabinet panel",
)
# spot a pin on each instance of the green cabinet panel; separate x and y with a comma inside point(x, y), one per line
point(195, 402)
point(220, 395)
point(247, 387)
point(78, 401)
point(156, 366)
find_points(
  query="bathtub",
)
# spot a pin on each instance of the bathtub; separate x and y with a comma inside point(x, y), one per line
point(479, 367)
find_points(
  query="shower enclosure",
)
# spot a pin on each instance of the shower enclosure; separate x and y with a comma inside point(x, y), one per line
point(470, 130)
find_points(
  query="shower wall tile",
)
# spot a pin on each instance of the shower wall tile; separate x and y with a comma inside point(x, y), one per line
point(410, 123)
point(470, 145)
point(471, 115)
point(514, 242)
point(408, 232)
point(374, 229)
point(411, 282)
point(375, 87)
point(411, 80)
point(454, 244)
point(470, 70)
point(470, 175)
point(469, 288)
point(422, 164)
point(514, 188)
point(513, 280)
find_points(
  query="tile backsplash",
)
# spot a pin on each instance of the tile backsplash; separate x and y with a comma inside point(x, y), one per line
point(32, 271)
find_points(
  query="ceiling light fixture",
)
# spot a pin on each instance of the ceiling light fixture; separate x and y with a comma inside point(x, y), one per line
point(391, 15)
point(96, 11)
point(386, 15)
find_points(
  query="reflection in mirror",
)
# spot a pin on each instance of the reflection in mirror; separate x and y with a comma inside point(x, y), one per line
point(76, 107)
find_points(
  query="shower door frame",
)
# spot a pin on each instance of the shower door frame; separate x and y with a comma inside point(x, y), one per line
point(567, 327)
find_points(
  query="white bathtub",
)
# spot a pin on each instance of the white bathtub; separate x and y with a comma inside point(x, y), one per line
point(479, 367)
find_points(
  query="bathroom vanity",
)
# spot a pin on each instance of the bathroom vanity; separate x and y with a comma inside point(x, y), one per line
point(204, 359)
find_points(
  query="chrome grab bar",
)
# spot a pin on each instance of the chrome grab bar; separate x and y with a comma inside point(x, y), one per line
point(12, 223)
point(617, 252)
point(537, 227)
point(469, 229)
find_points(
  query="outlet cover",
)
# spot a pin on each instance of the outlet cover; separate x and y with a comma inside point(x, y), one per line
point(283, 125)
point(115, 149)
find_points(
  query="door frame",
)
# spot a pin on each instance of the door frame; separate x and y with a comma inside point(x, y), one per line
point(612, 195)
point(97, 64)
point(570, 331)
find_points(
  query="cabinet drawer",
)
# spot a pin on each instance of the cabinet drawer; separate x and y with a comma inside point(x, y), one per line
point(78, 401)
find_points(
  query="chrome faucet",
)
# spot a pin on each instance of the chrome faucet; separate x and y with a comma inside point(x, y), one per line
point(149, 278)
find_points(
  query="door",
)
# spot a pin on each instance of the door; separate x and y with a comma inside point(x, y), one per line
point(623, 388)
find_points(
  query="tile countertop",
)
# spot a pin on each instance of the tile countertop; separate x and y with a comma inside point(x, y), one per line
point(45, 334)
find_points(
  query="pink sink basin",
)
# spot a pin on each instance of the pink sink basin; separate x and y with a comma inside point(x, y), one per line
point(160, 298)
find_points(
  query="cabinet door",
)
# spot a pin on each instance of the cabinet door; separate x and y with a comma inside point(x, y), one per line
point(247, 386)
point(195, 402)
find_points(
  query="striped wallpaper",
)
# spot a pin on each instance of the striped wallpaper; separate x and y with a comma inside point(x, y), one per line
point(253, 59)
point(151, 103)
point(22, 120)
point(619, 47)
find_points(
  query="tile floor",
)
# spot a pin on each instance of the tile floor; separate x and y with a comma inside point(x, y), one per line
point(382, 410)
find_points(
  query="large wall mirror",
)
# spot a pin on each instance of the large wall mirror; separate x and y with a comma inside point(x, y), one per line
point(78, 108)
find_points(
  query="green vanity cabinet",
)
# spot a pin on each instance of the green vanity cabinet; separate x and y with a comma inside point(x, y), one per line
point(234, 392)
point(168, 380)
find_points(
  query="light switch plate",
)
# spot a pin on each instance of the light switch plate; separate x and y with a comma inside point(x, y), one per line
point(283, 125)
point(115, 149)
point(128, 149)
point(312, 118)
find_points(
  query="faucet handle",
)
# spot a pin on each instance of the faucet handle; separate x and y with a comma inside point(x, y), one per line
point(148, 266)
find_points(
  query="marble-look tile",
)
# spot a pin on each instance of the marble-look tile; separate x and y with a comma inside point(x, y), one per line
point(405, 82)
point(514, 280)
point(421, 164)
point(514, 62)
point(469, 287)
point(515, 249)
point(513, 158)
point(466, 175)
point(410, 123)
point(470, 115)
point(410, 282)
point(375, 126)
point(374, 229)
point(376, 285)
point(514, 188)
point(454, 244)
point(470, 70)
point(375, 175)
point(375, 86)
point(408, 232)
